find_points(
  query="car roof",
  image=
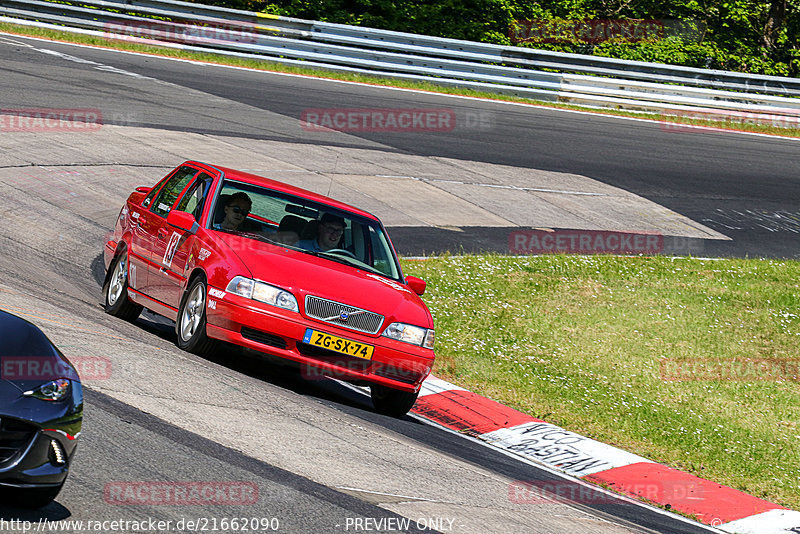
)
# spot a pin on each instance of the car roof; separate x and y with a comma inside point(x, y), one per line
point(233, 174)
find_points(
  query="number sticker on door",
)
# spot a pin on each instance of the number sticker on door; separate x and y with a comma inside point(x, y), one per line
point(172, 246)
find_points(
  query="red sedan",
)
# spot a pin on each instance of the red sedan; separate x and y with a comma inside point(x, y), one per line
point(238, 258)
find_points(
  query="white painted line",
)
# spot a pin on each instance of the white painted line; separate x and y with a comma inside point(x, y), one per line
point(771, 522)
point(346, 488)
point(547, 468)
point(434, 181)
point(564, 450)
point(451, 182)
point(433, 385)
point(517, 188)
point(564, 476)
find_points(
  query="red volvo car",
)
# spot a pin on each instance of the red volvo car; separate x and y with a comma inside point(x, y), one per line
point(238, 258)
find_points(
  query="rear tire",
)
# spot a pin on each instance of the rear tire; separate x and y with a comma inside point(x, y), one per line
point(190, 326)
point(392, 402)
point(115, 290)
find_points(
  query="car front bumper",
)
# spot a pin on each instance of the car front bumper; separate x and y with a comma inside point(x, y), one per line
point(280, 333)
point(29, 458)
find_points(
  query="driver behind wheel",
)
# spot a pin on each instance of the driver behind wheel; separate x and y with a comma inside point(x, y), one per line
point(329, 234)
point(236, 210)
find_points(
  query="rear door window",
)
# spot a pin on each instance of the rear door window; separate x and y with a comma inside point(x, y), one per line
point(195, 197)
point(163, 202)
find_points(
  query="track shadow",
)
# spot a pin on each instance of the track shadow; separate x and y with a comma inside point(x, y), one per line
point(52, 512)
point(264, 367)
point(98, 270)
point(514, 240)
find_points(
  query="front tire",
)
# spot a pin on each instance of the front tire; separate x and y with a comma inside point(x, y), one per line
point(115, 290)
point(392, 402)
point(190, 325)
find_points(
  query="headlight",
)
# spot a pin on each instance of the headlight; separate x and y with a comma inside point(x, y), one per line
point(428, 343)
point(241, 286)
point(52, 391)
point(410, 334)
point(262, 292)
point(274, 295)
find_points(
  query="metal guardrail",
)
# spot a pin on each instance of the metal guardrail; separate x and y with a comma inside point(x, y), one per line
point(582, 79)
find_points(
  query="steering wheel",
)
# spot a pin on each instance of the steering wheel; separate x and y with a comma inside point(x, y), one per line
point(341, 251)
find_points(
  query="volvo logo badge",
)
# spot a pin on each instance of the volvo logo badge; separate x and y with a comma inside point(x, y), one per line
point(343, 315)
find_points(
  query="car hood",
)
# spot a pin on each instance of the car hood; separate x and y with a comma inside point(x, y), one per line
point(304, 274)
point(14, 404)
point(9, 391)
point(64, 415)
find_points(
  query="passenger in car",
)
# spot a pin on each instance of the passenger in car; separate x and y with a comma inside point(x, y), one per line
point(236, 209)
point(289, 229)
point(329, 234)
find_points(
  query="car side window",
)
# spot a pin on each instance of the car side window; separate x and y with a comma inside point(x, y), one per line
point(194, 198)
point(381, 252)
point(149, 198)
point(169, 193)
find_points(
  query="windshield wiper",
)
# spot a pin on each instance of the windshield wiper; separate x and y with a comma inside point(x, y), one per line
point(347, 260)
point(261, 237)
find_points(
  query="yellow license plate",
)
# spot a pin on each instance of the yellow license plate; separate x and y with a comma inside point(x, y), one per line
point(337, 344)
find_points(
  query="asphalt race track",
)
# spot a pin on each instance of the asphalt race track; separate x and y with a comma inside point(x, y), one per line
point(318, 455)
point(745, 187)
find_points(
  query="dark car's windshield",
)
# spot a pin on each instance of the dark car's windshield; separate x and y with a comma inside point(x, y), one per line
point(267, 215)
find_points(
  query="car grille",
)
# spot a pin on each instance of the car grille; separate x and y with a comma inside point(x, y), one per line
point(14, 438)
point(332, 312)
point(264, 338)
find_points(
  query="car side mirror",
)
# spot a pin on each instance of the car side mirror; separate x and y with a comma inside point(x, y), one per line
point(143, 189)
point(183, 221)
point(417, 285)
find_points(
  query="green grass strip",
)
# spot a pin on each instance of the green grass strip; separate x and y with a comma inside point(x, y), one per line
point(579, 341)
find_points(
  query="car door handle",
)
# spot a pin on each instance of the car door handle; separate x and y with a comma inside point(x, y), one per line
point(162, 233)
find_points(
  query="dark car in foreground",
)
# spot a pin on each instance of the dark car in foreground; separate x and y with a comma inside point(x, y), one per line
point(237, 258)
point(41, 412)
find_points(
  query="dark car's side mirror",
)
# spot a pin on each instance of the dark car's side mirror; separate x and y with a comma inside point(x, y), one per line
point(417, 285)
point(182, 220)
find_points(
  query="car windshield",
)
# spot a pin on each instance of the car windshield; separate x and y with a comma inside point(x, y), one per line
point(313, 228)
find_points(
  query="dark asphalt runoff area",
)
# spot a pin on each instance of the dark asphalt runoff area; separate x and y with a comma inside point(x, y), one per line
point(126, 457)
